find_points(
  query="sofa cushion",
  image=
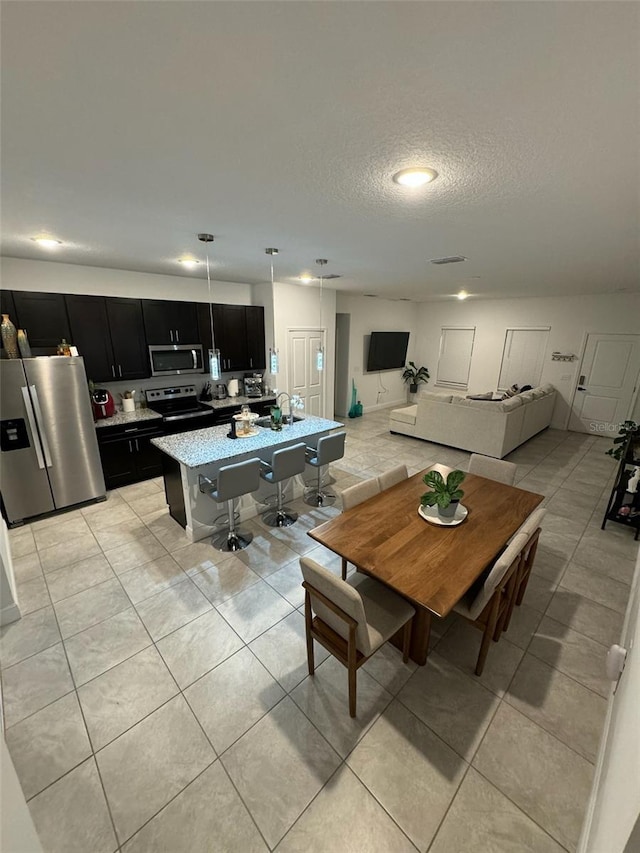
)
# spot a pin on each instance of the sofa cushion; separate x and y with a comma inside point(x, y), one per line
point(548, 388)
point(511, 403)
point(433, 395)
point(527, 396)
point(406, 415)
point(456, 398)
point(538, 392)
point(510, 392)
point(487, 405)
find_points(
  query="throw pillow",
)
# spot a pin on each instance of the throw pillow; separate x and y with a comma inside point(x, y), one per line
point(510, 392)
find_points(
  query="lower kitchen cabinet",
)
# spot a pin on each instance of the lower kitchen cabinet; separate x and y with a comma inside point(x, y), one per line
point(129, 457)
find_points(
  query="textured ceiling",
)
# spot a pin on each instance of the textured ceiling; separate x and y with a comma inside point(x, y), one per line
point(129, 127)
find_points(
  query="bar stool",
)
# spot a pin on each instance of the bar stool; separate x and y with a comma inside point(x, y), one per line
point(330, 448)
point(285, 463)
point(232, 482)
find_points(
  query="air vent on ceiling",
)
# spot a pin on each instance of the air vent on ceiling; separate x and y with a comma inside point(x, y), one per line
point(452, 259)
point(371, 295)
point(405, 299)
point(330, 276)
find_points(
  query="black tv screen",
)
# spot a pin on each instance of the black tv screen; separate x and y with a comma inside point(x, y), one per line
point(387, 350)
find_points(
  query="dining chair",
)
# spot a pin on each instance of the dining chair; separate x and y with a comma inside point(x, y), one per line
point(488, 608)
point(531, 528)
point(355, 495)
point(352, 619)
point(493, 469)
point(392, 477)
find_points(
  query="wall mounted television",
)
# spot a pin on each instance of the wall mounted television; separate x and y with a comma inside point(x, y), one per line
point(387, 350)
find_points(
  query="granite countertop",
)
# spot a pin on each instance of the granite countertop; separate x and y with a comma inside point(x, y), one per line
point(128, 417)
point(228, 402)
point(204, 446)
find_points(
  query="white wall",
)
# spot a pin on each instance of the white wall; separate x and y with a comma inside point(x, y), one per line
point(570, 318)
point(379, 315)
point(52, 277)
point(297, 307)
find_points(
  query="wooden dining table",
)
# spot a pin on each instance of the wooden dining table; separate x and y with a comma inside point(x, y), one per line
point(431, 566)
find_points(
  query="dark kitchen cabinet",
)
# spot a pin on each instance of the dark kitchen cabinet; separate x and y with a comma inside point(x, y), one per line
point(109, 334)
point(230, 330)
point(44, 318)
point(126, 325)
point(8, 306)
point(128, 456)
point(239, 335)
point(168, 322)
point(89, 332)
point(255, 337)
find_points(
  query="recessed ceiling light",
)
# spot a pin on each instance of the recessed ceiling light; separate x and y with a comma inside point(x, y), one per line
point(47, 242)
point(307, 279)
point(462, 294)
point(189, 263)
point(416, 177)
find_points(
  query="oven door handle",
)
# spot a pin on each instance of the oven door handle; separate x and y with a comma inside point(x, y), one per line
point(195, 359)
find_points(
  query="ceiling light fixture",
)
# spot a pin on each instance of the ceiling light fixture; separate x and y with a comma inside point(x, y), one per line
point(47, 242)
point(416, 177)
point(274, 357)
point(189, 263)
point(214, 354)
point(306, 278)
point(462, 294)
point(320, 354)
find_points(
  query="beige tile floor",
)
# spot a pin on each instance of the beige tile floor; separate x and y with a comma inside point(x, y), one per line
point(156, 695)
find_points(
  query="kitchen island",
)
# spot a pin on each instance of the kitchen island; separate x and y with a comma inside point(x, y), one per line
point(188, 455)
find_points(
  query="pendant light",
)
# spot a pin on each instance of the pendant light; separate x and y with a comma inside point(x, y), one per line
point(320, 354)
point(214, 354)
point(274, 355)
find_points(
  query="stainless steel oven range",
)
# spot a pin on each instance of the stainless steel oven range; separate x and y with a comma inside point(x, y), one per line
point(180, 408)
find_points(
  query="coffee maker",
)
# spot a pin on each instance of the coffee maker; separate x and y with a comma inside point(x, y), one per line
point(253, 384)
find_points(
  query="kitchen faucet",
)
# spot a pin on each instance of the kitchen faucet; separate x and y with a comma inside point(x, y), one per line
point(288, 396)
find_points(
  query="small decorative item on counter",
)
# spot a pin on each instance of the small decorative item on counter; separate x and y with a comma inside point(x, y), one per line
point(232, 432)
point(354, 397)
point(23, 344)
point(276, 418)
point(64, 348)
point(128, 403)
point(9, 337)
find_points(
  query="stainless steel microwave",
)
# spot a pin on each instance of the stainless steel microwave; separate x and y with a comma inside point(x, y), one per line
point(175, 359)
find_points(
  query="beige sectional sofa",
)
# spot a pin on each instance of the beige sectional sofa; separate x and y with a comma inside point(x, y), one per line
point(493, 428)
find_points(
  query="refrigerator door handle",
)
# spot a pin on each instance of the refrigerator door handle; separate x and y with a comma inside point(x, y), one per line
point(40, 422)
point(32, 425)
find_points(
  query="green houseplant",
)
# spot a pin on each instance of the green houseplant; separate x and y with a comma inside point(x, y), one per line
point(628, 437)
point(413, 375)
point(444, 494)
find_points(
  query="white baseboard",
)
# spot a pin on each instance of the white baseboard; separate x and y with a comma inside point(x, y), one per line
point(392, 404)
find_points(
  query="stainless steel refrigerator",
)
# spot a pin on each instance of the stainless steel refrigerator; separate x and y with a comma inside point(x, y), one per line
point(49, 452)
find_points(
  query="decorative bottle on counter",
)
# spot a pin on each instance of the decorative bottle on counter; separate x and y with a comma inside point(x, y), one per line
point(23, 344)
point(9, 337)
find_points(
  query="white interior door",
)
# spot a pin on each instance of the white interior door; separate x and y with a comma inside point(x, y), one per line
point(304, 377)
point(607, 383)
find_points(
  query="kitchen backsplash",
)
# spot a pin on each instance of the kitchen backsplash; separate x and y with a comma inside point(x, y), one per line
point(140, 385)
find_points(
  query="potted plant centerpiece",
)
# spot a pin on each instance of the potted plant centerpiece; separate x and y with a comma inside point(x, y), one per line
point(445, 494)
point(413, 375)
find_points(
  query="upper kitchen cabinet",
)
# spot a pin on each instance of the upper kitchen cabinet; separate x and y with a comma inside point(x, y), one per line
point(239, 334)
point(130, 354)
point(255, 337)
point(90, 334)
point(109, 334)
point(43, 316)
point(168, 322)
point(8, 306)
